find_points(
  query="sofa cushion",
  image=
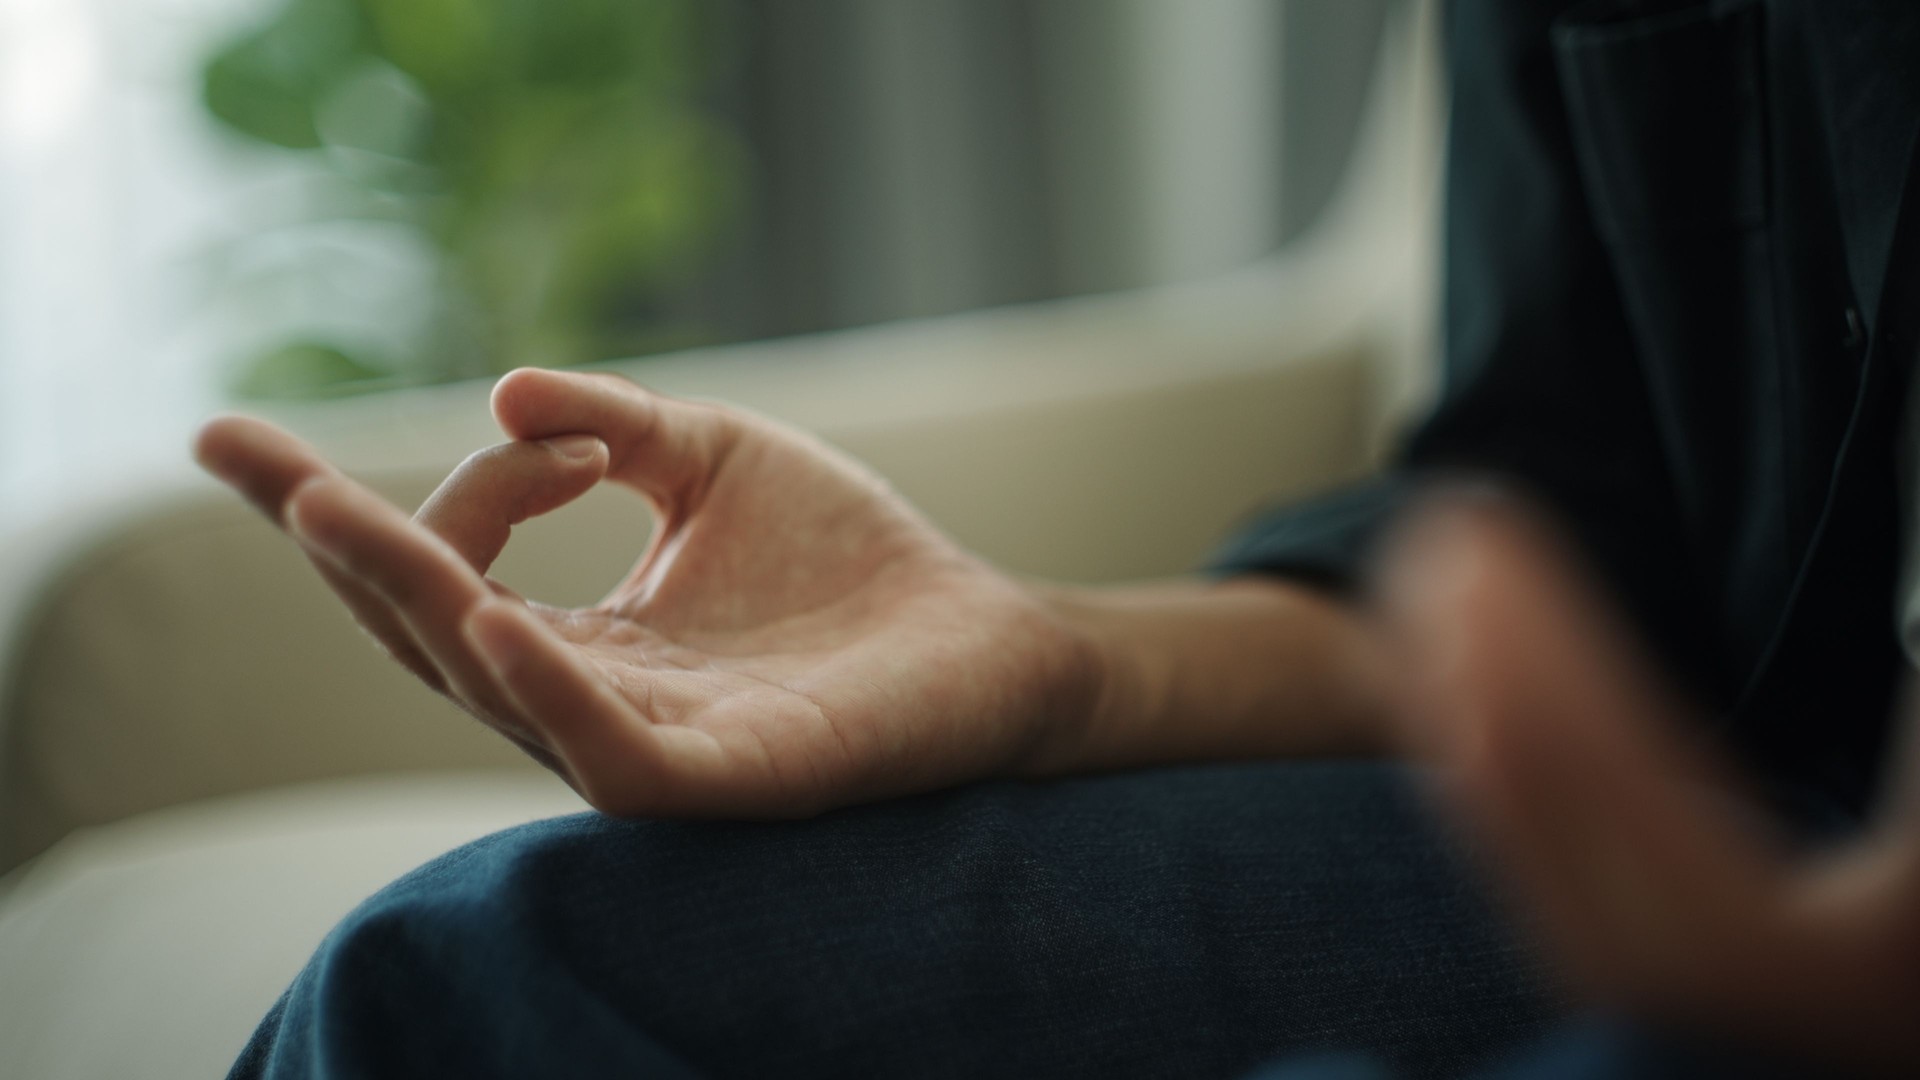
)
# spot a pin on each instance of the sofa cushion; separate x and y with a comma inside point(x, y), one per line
point(151, 947)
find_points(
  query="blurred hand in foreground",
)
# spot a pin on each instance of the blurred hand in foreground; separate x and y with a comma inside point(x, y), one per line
point(1643, 865)
point(795, 637)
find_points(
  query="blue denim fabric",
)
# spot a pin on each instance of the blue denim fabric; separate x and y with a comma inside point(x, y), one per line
point(1183, 922)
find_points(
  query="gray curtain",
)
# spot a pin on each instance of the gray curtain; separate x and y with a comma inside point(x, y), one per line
point(915, 157)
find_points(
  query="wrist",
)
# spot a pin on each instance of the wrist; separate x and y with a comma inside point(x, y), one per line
point(1202, 670)
point(1105, 685)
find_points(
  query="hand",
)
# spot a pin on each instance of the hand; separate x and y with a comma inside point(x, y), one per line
point(1646, 870)
point(795, 637)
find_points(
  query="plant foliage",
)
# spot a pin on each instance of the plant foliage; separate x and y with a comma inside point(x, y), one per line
point(553, 154)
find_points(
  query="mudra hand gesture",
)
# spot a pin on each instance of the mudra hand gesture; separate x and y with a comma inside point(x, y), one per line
point(794, 637)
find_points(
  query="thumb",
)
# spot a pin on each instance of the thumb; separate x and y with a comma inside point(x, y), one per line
point(667, 448)
point(476, 507)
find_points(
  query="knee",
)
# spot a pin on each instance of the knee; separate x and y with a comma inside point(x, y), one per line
point(431, 975)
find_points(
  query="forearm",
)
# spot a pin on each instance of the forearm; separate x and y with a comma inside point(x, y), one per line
point(1198, 670)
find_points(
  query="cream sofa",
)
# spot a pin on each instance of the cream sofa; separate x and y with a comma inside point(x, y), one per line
point(203, 764)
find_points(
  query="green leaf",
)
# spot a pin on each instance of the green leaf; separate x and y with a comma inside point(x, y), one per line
point(555, 154)
point(448, 45)
point(305, 370)
point(268, 83)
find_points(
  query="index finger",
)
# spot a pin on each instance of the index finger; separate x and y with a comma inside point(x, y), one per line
point(476, 508)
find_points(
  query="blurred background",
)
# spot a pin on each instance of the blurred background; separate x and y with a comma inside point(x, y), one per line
point(210, 202)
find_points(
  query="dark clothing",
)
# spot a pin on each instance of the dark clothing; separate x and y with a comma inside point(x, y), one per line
point(1187, 922)
point(1672, 315)
point(1676, 315)
point(1595, 1049)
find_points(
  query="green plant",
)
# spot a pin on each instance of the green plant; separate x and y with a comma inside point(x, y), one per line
point(551, 153)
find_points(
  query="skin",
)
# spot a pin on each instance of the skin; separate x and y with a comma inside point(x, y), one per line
point(796, 637)
point(1635, 852)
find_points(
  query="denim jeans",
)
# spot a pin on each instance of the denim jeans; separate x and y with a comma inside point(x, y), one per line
point(1174, 922)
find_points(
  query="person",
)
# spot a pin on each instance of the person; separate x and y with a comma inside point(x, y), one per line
point(874, 807)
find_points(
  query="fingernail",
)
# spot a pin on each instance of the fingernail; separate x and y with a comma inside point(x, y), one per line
point(574, 447)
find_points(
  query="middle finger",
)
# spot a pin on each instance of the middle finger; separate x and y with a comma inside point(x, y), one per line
point(428, 586)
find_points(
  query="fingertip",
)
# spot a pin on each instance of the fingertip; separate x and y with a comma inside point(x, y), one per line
point(509, 389)
point(1432, 567)
point(1433, 596)
point(218, 440)
point(535, 403)
point(520, 397)
point(211, 440)
point(1457, 594)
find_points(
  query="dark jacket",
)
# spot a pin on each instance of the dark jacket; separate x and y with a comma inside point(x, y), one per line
point(1681, 303)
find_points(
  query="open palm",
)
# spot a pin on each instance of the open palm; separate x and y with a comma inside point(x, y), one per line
point(795, 637)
